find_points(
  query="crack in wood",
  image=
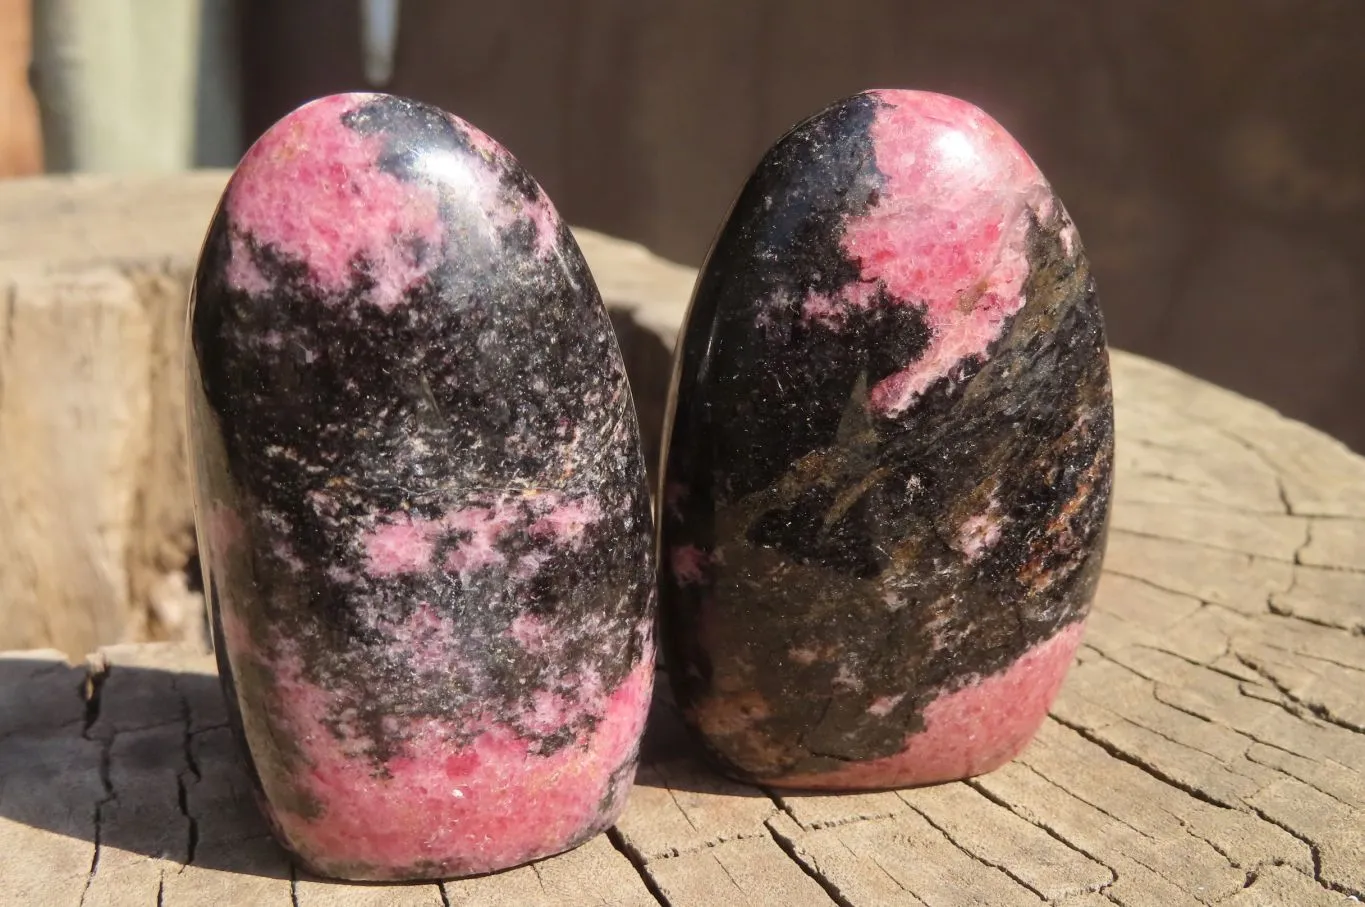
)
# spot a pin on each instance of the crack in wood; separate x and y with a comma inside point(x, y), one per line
point(1227, 650)
point(976, 786)
point(1011, 874)
point(1314, 656)
point(637, 862)
point(1227, 549)
point(673, 795)
point(1270, 466)
point(726, 870)
point(1244, 803)
point(821, 825)
point(1155, 585)
point(1154, 771)
point(899, 884)
point(1307, 541)
point(990, 795)
point(1099, 807)
point(1135, 857)
point(1316, 709)
point(812, 868)
point(1285, 608)
point(97, 675)
point(182, 788)
point(540, 878)
point(1252, 756)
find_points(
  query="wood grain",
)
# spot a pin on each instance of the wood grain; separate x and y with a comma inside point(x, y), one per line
point(1207, 748)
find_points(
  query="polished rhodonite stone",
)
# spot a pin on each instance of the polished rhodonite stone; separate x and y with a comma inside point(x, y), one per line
point(887, 482)
point(421, 500)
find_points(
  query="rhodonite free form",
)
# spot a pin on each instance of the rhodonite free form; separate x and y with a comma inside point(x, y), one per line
point(887, 480)
point(420, 499)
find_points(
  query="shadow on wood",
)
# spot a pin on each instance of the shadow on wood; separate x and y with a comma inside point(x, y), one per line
point(121, 769)
point(1207, 746)
point(129, 763)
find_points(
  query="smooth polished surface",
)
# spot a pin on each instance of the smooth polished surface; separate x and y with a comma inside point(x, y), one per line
point(421, 501)
point(888, 476)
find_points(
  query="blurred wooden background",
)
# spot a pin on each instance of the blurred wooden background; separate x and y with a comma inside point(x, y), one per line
point(1212, 151)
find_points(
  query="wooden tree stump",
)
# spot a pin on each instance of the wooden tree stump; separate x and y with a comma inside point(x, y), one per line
point(1209, 747)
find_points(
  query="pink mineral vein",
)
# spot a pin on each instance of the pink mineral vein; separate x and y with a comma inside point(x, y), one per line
point(481, 528)
point(312, 188)
point(689, 564)
point(969, 731)
point(545, 221)
point(459, 805)
point(404, 545)
point(831, 310)
point(401, 543)
point(947, 232)
point(531, 633)
point(884, 705)
point(593, 634)
point(565, 521)
point(979, 532)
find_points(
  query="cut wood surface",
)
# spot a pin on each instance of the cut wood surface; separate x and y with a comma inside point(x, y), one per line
point(1208, 748)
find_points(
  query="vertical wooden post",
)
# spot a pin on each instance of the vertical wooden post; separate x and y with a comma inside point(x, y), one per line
point(116, 83)
point(75, 419)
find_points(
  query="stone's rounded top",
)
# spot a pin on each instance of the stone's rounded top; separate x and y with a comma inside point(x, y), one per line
point(949, 218)
point(935, 145)
point(949, 228)
point(926, 204)
point(379, 264)
point(375, 183)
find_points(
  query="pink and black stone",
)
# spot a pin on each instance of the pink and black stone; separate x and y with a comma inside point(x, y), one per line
point(886, 488)
point(421, 500)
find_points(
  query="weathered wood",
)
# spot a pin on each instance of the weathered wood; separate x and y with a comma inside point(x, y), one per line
point(1209, 747)
point(74, 420)
point(94, 272)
